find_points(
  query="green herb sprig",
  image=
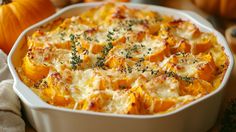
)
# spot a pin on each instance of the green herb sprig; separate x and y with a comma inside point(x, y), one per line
point(184, 78)
point(106, 49)
point(75, 59)
point(100, 61)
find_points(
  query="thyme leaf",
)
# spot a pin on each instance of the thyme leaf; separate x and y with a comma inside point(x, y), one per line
point(75, 59)
point(184, 78)
point(107, 48)
point(187, 79)
point(100, 61)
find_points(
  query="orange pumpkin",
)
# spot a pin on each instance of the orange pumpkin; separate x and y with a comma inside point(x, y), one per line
point(224, 8)
point(16, 15)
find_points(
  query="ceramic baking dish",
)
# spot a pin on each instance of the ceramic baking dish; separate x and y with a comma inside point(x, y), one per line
point(197, 116)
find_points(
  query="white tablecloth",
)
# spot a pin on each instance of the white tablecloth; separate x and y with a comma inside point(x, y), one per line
point(10, 114)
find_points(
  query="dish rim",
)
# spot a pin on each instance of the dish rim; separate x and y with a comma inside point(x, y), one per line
point(35, 102)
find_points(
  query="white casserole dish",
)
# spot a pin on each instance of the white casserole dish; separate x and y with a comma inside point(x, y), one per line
point(197, 116)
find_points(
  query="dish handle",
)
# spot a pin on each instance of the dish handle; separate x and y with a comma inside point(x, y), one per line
point(29, 98)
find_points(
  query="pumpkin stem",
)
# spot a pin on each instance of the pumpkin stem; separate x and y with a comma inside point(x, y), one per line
point(4, 2)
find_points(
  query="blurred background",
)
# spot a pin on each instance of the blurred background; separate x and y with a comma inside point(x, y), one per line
point(16, 15)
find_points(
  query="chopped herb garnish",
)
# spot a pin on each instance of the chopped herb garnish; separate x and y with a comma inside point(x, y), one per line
point(75, 59)
point(187, 79)
point(111, 33)
point(77, 44)
point(109, 45)
point(110, 36)
point(170, 74)
point(195, 61)
point(129, 23)
point(129, 69)
point(72, 38)
point(154, 72)
point(85, 35)
point(115, 29)
point(107, 48)
point(141, 59)
point(128, 51)
point(96, 40)
point(182, 60)
point(89, 38)
point(78, 36)
point(128, 54)
point(144, 70)
point(129, 27)
point(134, 48)
point(62, 35)
point(100, 61)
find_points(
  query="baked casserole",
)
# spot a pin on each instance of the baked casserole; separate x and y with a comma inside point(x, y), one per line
point(122, 60)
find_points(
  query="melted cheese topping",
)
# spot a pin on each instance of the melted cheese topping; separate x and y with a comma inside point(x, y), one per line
point(120, 60)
